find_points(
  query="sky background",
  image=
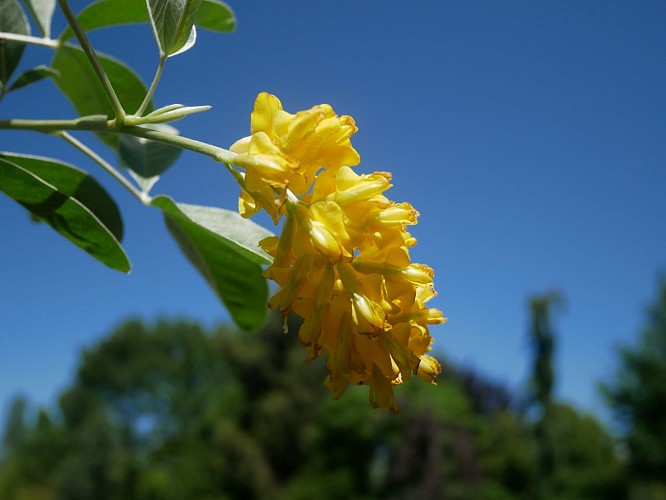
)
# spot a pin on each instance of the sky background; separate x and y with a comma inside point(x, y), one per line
point(531, 136)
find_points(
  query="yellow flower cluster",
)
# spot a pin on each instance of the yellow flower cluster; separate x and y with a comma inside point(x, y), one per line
point(342, 260)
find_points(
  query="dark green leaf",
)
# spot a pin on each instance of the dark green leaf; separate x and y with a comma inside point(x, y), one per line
point(31, 76)
point(173, 22)
point(12, 20)
point(213, 15)
point(109, 13)
point(79, 83)
point(223, 247)
point(75, 183)
point(145, 157)
point(42, 11)
point(216, 16)
point(70, 201)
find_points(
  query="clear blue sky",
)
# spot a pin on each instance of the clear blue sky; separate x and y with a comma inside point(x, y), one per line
point(531, 136)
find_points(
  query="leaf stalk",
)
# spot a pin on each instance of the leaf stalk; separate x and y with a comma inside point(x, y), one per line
point(33, 40)
point(153, 85)
point(143, 197)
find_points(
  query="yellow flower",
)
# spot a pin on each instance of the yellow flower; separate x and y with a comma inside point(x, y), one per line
point(286, 150)
point(342, 261)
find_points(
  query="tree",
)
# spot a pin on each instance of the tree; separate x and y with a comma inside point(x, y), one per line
point(170, 411)
point(574, 455)
point(542, 342)
point(637, 396)
point(15, 427)
point(585, 462)
point(542, 381)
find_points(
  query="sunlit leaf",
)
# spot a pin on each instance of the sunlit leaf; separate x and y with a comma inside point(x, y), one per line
point(242, 234)
point(32, 76)
point(173, 22)
point(217, 16)
point(68, 200)
point(42, 11)
point(173, 112)
point(12, 20)
point(80, 84)
point(223, 247)
point(145, 157)
point(212, 15)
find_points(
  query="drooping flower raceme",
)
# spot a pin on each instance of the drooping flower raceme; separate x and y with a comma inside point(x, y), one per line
point(342, 261)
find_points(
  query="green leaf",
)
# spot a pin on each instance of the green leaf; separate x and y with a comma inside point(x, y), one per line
point(223, 247)
point(189, 43)
point(145, 157)
point(42, 11)
point(242, 234)
point(32, 76)
point(217, 16)
point(173, 112)
point(106, 13)
point(173, 23)
point(212, 15)
point(73, 182)
point(12, 20)
point(70, 201)
point(80, 84)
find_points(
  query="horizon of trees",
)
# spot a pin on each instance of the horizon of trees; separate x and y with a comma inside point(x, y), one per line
point(171, 410)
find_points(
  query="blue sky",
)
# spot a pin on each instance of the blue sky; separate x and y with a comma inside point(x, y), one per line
point(529, 135)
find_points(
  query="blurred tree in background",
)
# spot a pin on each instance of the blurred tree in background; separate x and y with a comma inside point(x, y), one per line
point(575, 457)
point(171, 411)
point(542, 342)
point(638, 399)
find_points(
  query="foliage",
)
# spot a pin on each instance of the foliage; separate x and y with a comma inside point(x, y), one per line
point(637, 396)
point(112, 101)
point(171, 411)
point(542, 340)
point(571, 450)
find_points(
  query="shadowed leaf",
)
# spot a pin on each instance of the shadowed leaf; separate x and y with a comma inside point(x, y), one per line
point(32, 76)
point(68, 200)
point(12, 20)
point(145, 157)
point(80, 84)
point(173, 22)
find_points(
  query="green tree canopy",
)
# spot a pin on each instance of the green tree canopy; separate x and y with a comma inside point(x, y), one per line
point(637, 396)
point(171, 410)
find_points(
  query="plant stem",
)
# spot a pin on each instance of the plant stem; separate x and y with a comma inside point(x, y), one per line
point(143, 197)
point(92, 123)
point(153, 86)
point(217, 153)
point(33, 40)
point(99, 123)
point(92, 57)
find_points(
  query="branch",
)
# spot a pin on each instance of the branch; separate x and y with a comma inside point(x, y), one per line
point(100, 123)
point(33, 40)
